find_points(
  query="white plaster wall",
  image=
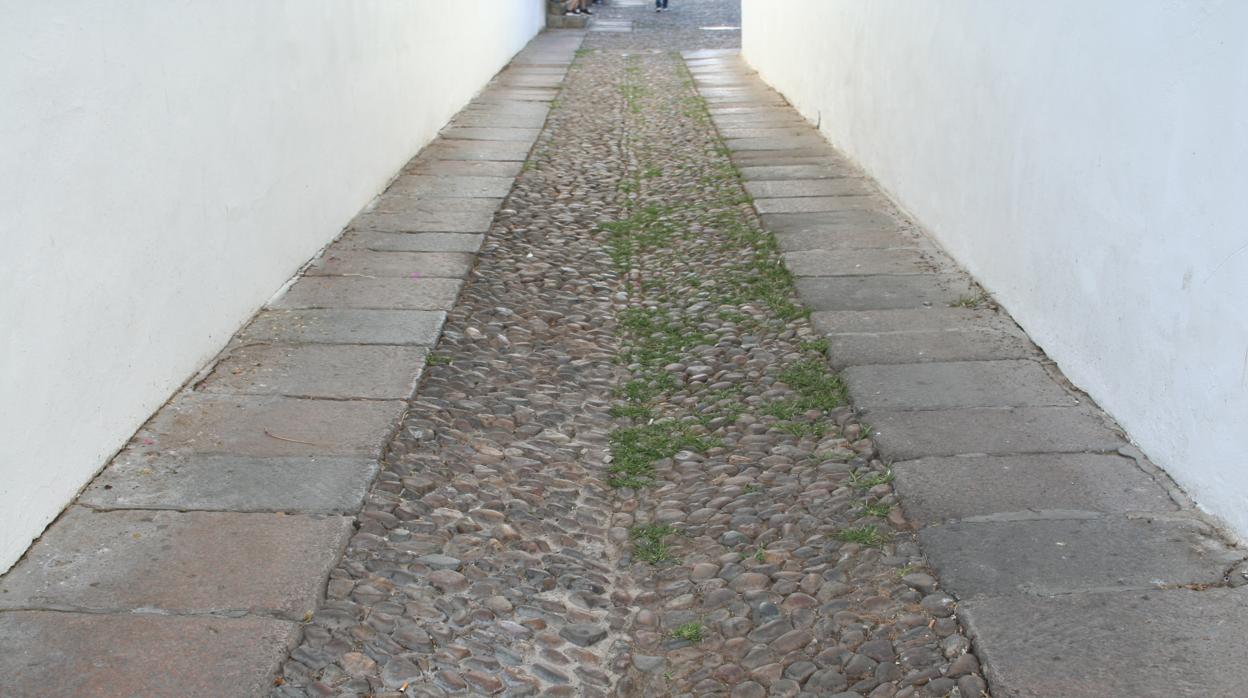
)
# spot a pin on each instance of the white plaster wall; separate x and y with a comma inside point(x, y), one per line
point(165, 167)
point(1087, 162)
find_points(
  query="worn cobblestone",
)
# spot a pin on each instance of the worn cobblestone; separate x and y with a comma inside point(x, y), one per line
point(628, 470)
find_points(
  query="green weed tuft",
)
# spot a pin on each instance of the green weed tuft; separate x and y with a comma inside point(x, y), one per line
point(693, 631)
point(648, 545)
point(869, 536)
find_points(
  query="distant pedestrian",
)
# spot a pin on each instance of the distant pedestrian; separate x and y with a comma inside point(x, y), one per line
point(579, 7)
point(660, 5)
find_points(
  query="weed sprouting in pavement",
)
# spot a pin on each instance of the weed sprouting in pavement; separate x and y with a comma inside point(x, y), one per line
point(693, 631)
point(698, 267)
point(869, 536)
point(648, 544)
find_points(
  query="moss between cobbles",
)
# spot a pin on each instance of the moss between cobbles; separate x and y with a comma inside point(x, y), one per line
point(648, 545)
point(748, 271)
point(634, 450)
point(692, 631)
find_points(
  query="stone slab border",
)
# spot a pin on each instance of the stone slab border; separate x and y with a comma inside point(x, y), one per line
point(1058, 538)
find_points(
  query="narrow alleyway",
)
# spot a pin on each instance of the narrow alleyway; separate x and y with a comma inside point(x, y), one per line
point(574, 367)
point(629, 470)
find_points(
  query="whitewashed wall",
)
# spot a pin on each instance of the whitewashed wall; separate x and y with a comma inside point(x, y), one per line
point(165, 167)
point(1087, 161)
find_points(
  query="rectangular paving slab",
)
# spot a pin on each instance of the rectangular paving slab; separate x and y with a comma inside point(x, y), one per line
point(304, 484)
point(906, 320)
point(448, 149)
point(478, 133)
point(725, 116)
point(1062, 556)
point(813, 204)
point(412, 242)
point(340, 260)
point(846, 221)
point(754, 109)
point(724, 120)
point(811, 142)
point(336, 371)
point(254, 425)
point(748, 96)
point(422, 164)
point(935, 490)
point(498, 93)
point(419, 221)
point(756, 88)
point(477, 119)
point(188, 562)
point(397, 293)
point(832, 241)
point(346, 326)
point(89, 655)
point(779, 188)
point(858, 262)
point(791, 156)
point(905, 435)
point(711, 79)
point(509, 102)
point(765, 132)
point(943, 385)
point(729, 121)
point(806, 172)
point(451, 186)
point(882, 292)
point(860, 349)
point(531, 78)
point(915, 335)
point(392, 202)
point(1171, 643)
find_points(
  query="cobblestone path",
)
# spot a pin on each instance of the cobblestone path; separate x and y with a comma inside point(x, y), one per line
point(629, 470)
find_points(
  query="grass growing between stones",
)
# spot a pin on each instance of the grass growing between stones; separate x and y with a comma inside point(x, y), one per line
point(801, 429)
point(816, 345)
point(692, 631)
point(660, 339)
point(634, 450)
point(818, 387)
point(879, 511)
point(869, 536)
point(759, 555)
point(647, 227)
point(648, 545)
point(869, 480)
point(971, 302)
point(632, 89)
point(698, 266)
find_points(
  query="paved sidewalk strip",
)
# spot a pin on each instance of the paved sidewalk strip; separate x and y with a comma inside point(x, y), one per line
point(187, 566)
point(1056, 537)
